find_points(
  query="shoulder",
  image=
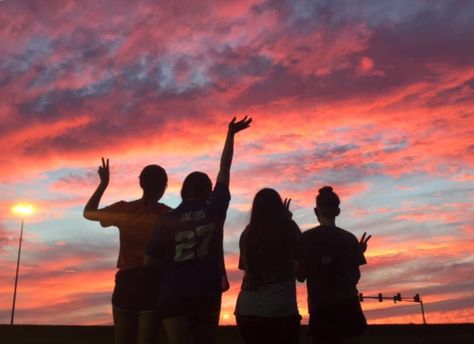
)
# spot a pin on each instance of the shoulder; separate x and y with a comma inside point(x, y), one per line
point(244, 233)
point(309, 233)
point(294, 225)
point(221, 189)
point(163, 208)
point(346, 234)
point(122, 203)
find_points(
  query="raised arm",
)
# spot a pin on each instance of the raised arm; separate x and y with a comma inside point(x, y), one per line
point(226, 159)
point(92, 206)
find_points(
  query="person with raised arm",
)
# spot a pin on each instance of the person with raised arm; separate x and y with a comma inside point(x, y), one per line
point(266, 309)
point(186, 250)
point(134, 314)
point(330, 262)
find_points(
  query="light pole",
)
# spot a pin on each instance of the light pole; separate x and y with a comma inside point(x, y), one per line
point(20, 210)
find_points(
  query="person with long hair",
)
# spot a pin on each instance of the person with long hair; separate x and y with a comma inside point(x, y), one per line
point(186, 249)
point(330, 262)
point(266, 309)
point(134, 314)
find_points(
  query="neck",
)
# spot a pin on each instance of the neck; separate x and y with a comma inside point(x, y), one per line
point(327, 221)
point(149, 199)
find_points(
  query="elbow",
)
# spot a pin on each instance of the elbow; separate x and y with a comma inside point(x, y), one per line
point(90, 215)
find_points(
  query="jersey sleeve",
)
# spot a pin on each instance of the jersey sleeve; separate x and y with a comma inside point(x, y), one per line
point(112, 215)
point(219, 202)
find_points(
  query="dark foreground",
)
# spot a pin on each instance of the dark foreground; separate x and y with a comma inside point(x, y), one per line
point(384, 334)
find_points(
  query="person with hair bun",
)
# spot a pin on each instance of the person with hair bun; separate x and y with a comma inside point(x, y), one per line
point(330, 262)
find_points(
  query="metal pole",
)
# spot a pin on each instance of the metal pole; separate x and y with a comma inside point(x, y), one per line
point(423, 312)
point(16, 276)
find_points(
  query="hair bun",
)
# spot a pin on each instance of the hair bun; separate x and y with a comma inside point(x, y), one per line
point(327, 202)
point(325, 190)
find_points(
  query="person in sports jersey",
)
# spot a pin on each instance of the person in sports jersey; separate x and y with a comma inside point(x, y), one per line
point(134, 314)
point(330, 262)
point(187, 249)
point(266, 309)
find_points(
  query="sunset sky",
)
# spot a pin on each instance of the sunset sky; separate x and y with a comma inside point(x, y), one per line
point(375, 98)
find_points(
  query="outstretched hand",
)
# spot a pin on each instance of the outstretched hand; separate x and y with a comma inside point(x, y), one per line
point(235, 127)
point(104, 172)
point(363, 242)
point(286, 204)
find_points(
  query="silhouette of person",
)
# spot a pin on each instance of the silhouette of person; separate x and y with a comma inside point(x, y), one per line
point(187, 249)
point(266, 309)
point(135, 318)
point(331, 257)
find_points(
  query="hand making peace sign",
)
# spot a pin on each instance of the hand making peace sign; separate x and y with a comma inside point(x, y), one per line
point(363, 242)
point(104, 172)
point(286, 204)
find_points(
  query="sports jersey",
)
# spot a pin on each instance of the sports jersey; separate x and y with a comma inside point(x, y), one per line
point(331, 258)
point(135, 222)
point(189, 239)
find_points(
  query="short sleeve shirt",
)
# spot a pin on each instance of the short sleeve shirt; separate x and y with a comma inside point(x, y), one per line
point(135, 222)
point(281, 269)
point(189, 240)
point(331, 257)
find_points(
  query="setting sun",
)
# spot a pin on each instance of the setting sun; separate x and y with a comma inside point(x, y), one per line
point(23, 209)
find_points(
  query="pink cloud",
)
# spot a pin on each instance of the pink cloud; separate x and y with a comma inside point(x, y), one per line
point(353, 97)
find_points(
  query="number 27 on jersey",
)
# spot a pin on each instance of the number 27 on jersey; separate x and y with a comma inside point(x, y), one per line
point(192, 244)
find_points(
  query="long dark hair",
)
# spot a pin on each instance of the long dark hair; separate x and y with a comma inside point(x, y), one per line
point(270, 237)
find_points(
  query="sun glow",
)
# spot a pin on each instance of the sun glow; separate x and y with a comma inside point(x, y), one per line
point(23, 209)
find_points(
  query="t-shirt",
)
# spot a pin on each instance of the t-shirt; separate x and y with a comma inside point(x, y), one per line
point(278, 267)
point(270, 291)
point(189, 239)
point(135, 222)
point(331, 259)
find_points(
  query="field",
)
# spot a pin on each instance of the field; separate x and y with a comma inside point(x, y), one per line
point(386, 334)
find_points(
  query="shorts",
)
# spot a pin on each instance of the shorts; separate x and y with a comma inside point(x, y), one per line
point(171, 307)
point(340, 319)
point(135, 289)
point(277, 330)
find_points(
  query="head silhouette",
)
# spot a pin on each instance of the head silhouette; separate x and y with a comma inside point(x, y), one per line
point(327, 203)
point(153, 181)
point(196, 186)
point(267, 208)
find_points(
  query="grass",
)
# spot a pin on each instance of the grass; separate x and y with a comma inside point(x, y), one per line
point(377, 334)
